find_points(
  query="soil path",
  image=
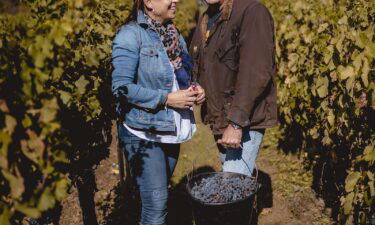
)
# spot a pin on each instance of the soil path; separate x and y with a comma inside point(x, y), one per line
point(285, 197)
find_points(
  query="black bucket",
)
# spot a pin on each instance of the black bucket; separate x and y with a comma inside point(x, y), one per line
point(237, 212)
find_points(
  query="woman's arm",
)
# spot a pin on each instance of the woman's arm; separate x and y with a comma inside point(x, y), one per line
point(125, 59)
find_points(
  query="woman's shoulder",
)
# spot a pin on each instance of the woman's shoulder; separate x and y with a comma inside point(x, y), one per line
point(129, 31)
point(131, 27)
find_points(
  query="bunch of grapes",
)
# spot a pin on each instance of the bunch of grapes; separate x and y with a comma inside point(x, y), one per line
point(219, 188)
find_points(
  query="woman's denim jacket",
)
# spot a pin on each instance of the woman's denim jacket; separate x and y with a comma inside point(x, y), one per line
point(143, 75)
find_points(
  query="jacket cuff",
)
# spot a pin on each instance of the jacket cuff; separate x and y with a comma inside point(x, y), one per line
point(163, 97)
point(239, 118)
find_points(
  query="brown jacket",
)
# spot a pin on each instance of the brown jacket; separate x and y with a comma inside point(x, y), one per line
point(235, 64)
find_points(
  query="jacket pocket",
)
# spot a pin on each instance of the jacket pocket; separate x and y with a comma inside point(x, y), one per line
point(148, 59)
point(228, 54)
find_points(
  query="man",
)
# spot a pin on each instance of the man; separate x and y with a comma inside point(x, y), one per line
point(233, 51)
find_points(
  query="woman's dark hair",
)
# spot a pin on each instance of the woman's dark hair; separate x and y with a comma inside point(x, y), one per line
point(138, 4)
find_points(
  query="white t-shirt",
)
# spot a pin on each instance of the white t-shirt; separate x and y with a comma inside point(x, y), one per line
point(185, 126)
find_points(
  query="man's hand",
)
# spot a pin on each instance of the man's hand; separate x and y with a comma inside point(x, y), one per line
point(201, 97)
point(231, 138)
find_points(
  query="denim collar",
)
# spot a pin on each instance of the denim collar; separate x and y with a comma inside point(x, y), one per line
point(141, 19)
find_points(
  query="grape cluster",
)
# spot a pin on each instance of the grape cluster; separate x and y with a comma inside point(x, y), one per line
point(219, 188)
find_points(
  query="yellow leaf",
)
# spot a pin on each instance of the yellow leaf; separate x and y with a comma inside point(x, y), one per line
point(28, 211)
point(344, 73)
point(5, 215)
point(365, 72)
point(351, 181)
point(10, 124)
point(81, 85)
point(46, 201)
point(61, 189)
point(15, 183)
point(331, 118)
point(323, 87)
point(348, 203)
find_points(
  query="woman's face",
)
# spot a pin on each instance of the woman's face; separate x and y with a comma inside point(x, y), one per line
point(162, 10)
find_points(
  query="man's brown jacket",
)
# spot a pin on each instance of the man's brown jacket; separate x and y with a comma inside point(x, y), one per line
point(234, 63)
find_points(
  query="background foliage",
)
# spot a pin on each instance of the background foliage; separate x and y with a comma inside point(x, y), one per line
point(325, 52)
point(56, 105)
point(55, 97)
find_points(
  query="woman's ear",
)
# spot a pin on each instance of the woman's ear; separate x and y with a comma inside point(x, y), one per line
point(148, 5)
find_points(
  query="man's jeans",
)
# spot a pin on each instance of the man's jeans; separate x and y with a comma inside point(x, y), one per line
point(151, 164)
point(242, 160)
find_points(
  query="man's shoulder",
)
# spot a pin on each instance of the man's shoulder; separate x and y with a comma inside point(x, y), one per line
point(248, 5)
point(252, 8)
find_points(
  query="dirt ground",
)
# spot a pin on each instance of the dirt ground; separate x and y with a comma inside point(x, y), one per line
point(285, 197)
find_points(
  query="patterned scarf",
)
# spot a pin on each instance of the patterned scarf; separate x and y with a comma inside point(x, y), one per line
point(169, 35)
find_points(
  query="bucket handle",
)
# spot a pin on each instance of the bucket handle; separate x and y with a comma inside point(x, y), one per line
point(208, 148)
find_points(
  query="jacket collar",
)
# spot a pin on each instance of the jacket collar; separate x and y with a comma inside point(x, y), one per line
point(226, 11)
point(141, 19)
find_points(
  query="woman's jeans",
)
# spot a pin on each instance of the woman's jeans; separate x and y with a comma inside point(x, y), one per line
point(242, 160)
point(151, 164)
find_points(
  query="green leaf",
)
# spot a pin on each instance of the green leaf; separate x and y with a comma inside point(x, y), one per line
point(5, 217)
point(369, 154)
point(26, 122)
point(56, 73)
point(49, 110)
point(348, 203)
point(322, 27)
point(365, 72)
point(323, 87)
point(16, 183)
point(46, 201)
point(349, 220)
point(28, 211)
point(351, 181)
point(81, 84)
point(349, 85)
point(372, 188)
point(33, 148)
point(5, 140)
point(65, 97)
point(344, 73)
point(61, 189)
point(331, 118)
point(10, 123)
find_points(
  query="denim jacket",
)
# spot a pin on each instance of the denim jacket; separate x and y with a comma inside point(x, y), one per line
point(142, 68)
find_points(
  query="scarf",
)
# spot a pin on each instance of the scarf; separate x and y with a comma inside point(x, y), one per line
point(169, 35)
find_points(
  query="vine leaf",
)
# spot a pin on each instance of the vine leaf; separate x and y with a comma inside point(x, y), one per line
point(16, 183)
point(81, 84)
point(348, 204)
point(351, 181)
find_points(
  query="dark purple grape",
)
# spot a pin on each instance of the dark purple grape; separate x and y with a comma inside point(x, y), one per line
point(219, 188)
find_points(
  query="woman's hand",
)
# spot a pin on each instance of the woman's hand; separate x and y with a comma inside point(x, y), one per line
point(201, 97)
point(182, 99)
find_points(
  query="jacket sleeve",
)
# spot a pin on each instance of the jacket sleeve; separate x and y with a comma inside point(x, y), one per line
point(256, 63)
point(125, 59)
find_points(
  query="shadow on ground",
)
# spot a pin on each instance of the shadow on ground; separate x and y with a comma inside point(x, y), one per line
point(126, 208)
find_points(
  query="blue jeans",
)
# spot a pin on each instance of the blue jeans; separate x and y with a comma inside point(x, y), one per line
point(152, 165)
point(242, 160)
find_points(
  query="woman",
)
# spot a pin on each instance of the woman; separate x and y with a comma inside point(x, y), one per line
point(151, 72)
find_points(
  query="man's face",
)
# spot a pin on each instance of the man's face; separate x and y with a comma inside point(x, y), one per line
point(211, 2)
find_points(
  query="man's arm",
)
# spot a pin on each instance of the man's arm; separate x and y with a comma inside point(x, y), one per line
point(256, 62)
